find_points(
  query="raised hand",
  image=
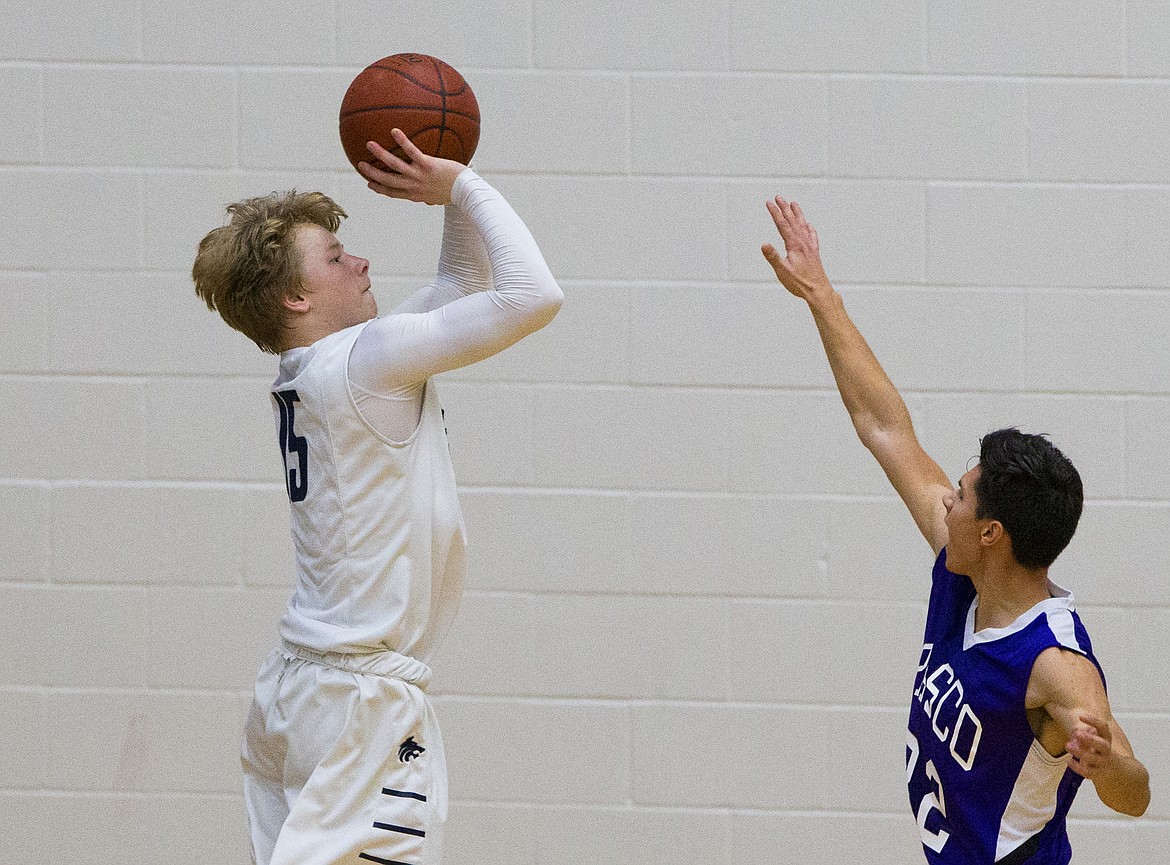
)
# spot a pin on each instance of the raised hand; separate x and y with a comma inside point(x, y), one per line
point(424, 178)
point(801, 272)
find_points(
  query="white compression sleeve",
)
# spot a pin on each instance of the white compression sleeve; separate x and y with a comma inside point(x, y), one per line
point(396, 354)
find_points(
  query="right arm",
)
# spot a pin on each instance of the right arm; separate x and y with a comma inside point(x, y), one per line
point(499, 288)
point(878, 412)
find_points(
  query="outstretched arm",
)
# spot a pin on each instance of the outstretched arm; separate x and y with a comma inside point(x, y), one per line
point(878, 411)
point(1078, 721)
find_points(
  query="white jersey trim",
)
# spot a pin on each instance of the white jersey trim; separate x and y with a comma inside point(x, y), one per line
point(1033, 800)
point(1058, 607)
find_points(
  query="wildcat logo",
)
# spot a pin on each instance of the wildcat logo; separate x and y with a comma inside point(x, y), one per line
point(409, 749)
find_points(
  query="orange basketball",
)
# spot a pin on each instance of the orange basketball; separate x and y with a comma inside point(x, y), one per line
point(419, 94)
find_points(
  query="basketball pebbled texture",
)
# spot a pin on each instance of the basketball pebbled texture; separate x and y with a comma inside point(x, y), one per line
point(421, 95)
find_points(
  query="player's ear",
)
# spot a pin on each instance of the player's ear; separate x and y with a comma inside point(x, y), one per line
point(992, 533)
point(296, 303)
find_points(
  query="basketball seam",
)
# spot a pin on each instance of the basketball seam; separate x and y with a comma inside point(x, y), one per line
point(452, 112)
point(443, 97)
point(418, 83)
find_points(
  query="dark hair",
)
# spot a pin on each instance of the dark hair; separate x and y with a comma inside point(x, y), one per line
point(1033, 490)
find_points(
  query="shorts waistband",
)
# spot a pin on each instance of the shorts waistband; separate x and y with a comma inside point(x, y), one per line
point(382, 663)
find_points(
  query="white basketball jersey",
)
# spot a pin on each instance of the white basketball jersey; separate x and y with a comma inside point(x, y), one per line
point(376, 524)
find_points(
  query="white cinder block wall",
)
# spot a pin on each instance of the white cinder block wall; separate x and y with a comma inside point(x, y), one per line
point(694, 605)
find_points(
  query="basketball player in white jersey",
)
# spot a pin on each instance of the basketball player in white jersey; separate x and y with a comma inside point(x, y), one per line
point(1009, 710)
point(342, 755)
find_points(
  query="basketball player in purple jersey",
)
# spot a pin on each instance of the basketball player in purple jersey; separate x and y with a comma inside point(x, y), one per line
point(1009, 711)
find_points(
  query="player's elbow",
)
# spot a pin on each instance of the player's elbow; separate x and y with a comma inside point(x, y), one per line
point(549, 302)
point(1133, 799)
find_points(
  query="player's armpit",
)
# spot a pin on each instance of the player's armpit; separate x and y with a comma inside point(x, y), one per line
point(1068, 688)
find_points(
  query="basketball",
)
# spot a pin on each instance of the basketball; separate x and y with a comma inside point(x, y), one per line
point(419, 94)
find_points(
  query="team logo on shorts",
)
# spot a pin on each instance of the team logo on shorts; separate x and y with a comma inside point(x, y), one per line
point(409, 749)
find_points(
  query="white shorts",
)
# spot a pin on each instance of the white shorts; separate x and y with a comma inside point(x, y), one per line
point(343, 761)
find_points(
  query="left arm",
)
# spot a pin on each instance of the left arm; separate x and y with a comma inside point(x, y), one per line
point(1068, 688)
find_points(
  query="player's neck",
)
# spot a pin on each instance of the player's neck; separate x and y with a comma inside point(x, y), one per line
point(1006, 591)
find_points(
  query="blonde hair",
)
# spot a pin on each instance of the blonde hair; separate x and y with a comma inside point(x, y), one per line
point(245, 269)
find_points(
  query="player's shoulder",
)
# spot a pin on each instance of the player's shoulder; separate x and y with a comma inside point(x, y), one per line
point(1060, 670)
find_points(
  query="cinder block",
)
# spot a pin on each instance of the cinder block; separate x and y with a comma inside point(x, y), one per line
point(24, 545)
point(147, 534)
point(491, 649)
point(1097, 341)
point(913, 333)
point(135, 116)
point(479, 834)
point(823, 653)
point(875, 552)
point(76, 637)
point(1147, 475)
point(999, 37)
point(183, 337)
point(465, 33)
point(628, 228)
point(113, 829)
point(532, 121)
point(521, 751)
point(491, 432)
point(589, 342)
point(548, 542)
point(868, 250)
point(27, 315)
point(1150, 839)
point(610, 34)
point(928, 128)
point(890, 38)
point(208, 639)
point(1101, 840)
point(564, 419)
point(728, 546)
point(876, 740)
point(1147, 31)
point(740, 335)
point(21, 106)
point(268, 550)
point(648, 837)
point(211, 429)
point(99, 323)
point(279, 133)
point(94, 741)
point(764, 460)
point(1099, 130)
point(1109, 560)
point(646, 648)
point(1147, 259)
point(1130, 654)
point(1150, 737)
point(678, 428)
point(1038, 235)
point(729, 756)
point(79, 220)
point(729, 124)
point(1121, 643)
point(249, 32)
point(74, 428)
point(886, 839)
point(106, 30)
